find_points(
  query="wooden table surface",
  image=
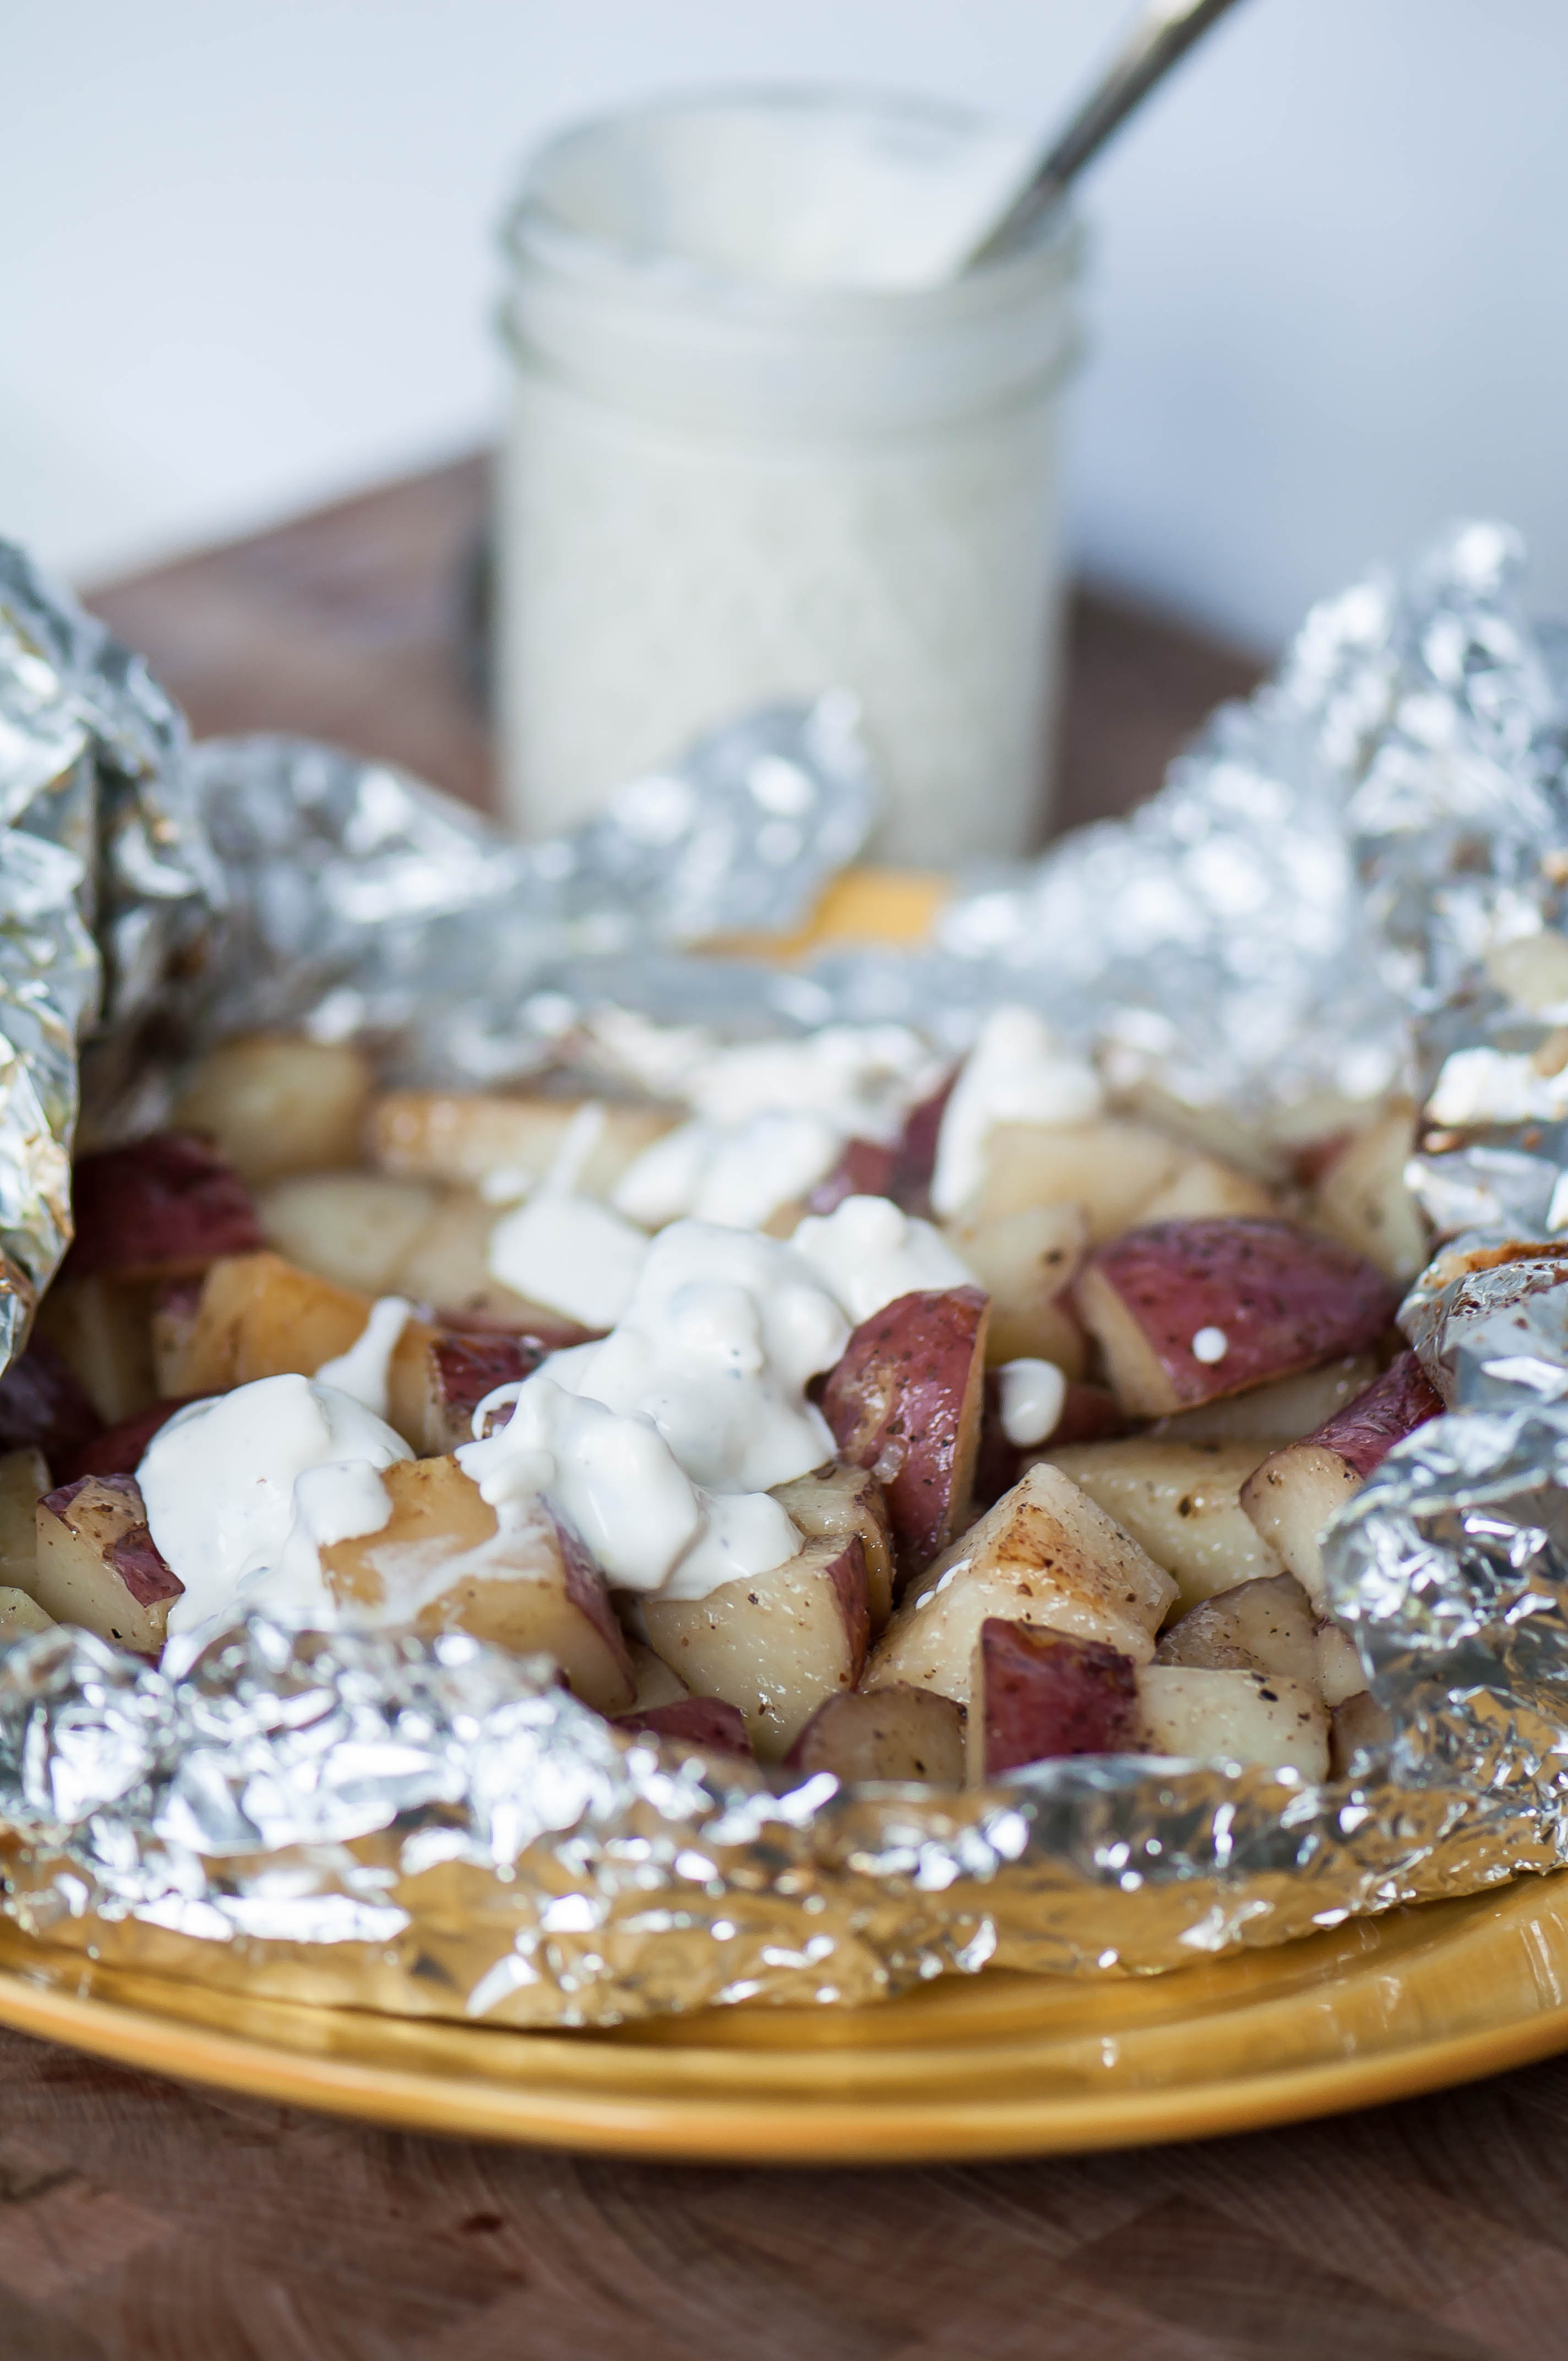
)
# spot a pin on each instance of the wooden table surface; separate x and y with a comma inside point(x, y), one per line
point(140, 2219)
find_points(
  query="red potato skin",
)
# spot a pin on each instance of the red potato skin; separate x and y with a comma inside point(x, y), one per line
point(694, 1721)
point(465, 1369)
point(43, 1407)
point(904, 1403)
point(135, 1557)
point(1365, 1430)
point(1044, 1695)
point(588, 1592)
point(118, 1451)
point(865, 1170)
point(1285, 1300)
point(914, 1159)
point(160, 1208)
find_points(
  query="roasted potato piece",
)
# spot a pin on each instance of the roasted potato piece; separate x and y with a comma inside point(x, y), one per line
point(1036, 1695)
point(21, 1617)
point(461, 1370)
point(119, 1450)
point(158, 1208)
point(24, 1480)
point(101, 1328)
point(1341, 1672)
point(891, 1733)
point(657, 1683)
point(98, 1566)
point(1274, 1413)
point(1045, 1554)
point(1233, 1717)
point(1108, 1168)
point(1202, 1187)
point(275, 1104)
point(1357, 1726)
point(703, 1722)
point(468, 1137)
point(1181, 1502)
point(1293, 1494)
point(43, 1404)
point(1025, 1261)
point(774, 1644)
point(1360, 1197)
point(441, 1563)
point(832, 1504)
point(1187, 1310)
point(446, 1266)
point(906, 1403)
point(355, 1228)
point(1258, 1627)
point(259, 1317)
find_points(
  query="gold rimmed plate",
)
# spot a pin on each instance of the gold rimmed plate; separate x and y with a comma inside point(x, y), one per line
point(996, 2065)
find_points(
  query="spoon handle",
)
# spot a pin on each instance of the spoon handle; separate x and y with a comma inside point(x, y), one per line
point(1162, 35)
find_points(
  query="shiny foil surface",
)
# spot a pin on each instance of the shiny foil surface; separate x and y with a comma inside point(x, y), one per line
point(1329, 897)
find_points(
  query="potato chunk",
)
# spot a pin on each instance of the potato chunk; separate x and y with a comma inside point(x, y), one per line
point(891, 1733)
point(835, 1503)
point(98, 1566)
point(355, 1228)
point(1258, 1627)
point(24, 1480)
point(21, 1617)
point(1181, 1501)
point(1044, 1555)
point(703, 1722)
point(1233, 1717)
point(466, 1137)
point(440, 1564)
point(276, 1104)
point(1361, 1200)
point(773, 1645)
point(1108, 1169)
point(1026, 1261)
point(906, 1403)
point(1038, 1695)
point(158, 1208)
point(1276, 1412)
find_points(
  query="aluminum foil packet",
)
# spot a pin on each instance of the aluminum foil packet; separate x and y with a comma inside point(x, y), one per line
point(1352, 883)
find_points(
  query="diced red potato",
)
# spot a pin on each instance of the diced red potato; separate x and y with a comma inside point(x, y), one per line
point(446, 1266)
point(465, 1138)
point(43, 1404)
point(864, 1168)
point(1274, 1413)
point(355, 1228)
point(1361, 1199)
point(1037, 1696)
point(1185, 1312)
point(119, 1450)
point(276, 1104)
point(1341, 1672)
point(914, 1158)
point(101, 1328)
point(461, 1370)
point(657, 1683)
point(98, 1566)
point(440, 1564)
point(1233, 1717)
point(1360, 1725)
point(24, 1480)
point(833, 1504)
point(1259, 1627)
point(1181, 1502)
point(1109, 1169)
point(904, 1403)
point(1045, 1554)
point(1296, 1489)
point(1025, 1262)
point(21, 1617)
point(164, 1207)
point(173, 1318)
point(1088, 1414)
point(259, 1317)
point(894, 1733)
point(1201, 1188)
point(704, 1722)
point(773, 1645)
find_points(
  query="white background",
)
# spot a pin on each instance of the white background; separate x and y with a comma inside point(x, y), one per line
point(247, 262)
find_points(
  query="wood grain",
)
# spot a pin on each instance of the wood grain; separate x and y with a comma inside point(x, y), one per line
point(143, 2221)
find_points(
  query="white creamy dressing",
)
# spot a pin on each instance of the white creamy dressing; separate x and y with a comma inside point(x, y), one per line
point(243, 1492)
point(1032, 1394)
point(562, 1249)
point(365, 1370)
point(1016, 1072)
point(660, 1444)
point(867, 1252)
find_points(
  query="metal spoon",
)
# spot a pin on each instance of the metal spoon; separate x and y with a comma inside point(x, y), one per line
point(1164, 33)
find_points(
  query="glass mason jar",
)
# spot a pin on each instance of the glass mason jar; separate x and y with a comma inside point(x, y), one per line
point(729, 480)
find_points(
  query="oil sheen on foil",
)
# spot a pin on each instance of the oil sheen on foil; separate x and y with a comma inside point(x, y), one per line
point(1352, 884)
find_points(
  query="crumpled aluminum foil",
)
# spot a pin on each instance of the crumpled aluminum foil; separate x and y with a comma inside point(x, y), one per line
point(1317, 905)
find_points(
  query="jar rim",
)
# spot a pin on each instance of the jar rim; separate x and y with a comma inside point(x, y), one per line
point(539, 232)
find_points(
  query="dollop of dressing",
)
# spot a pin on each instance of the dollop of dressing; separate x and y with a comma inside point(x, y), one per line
point(1032, 1394)
point(570, 1253)
point(866, 1253)
point(244, 1491)
point(738, 1174)
point(660, 1444)
point(1016, 1072)
point(365, 1370)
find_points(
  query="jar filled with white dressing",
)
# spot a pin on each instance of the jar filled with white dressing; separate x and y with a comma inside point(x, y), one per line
point(767, 439)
